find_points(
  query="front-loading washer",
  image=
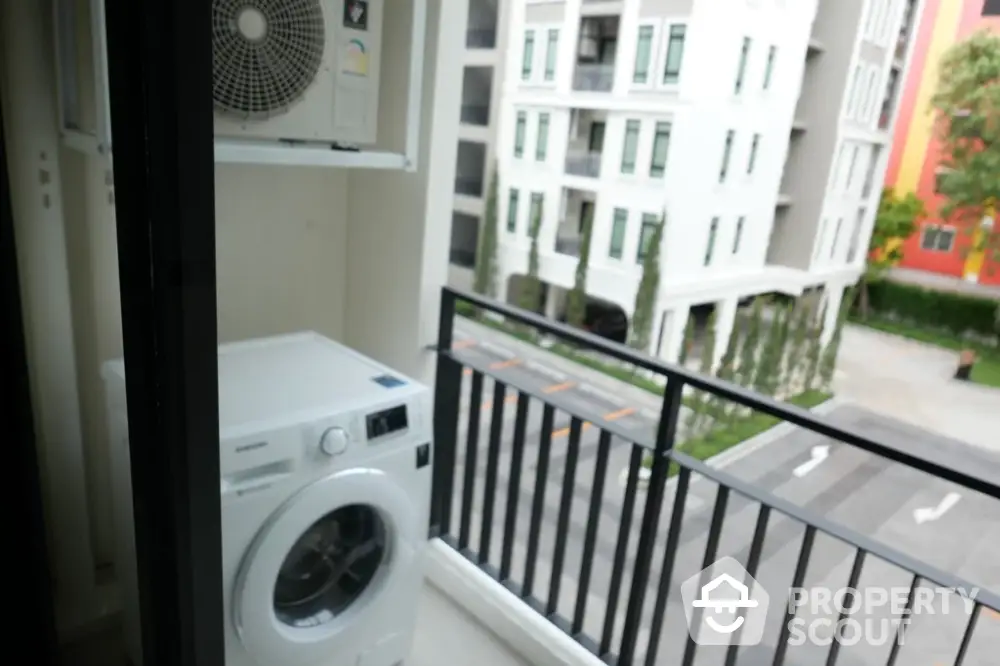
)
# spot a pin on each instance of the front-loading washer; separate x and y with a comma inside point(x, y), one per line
point(325, 460)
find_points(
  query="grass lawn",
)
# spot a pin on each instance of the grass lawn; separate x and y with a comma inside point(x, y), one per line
point(987, 368)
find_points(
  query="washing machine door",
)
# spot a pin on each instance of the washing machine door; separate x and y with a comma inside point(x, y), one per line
point(322, 564)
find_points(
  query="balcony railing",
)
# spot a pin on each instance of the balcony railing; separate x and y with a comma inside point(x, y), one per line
point(568, 244)
point(594, 77)
point(481, 38)
point(462, 257)
point(584, 164)
point(476, 114)
point(469, 186)
point(490, 505)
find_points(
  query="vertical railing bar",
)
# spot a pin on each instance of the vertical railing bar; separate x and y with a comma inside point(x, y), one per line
point(538, 501)
point(753, 561)
point(852, 586)
point(562, 522)
point(666, 432)
point(447, 398)
point(514, 485)
point(492, 460)
point(711, 551)
point(801, 566)
point(471, 446)
point(967, 636)
point(667, 569)
point(903, 621)
point(590, 536)
point(621, 549)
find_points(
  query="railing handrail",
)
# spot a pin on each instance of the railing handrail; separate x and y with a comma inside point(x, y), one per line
point(738, 394)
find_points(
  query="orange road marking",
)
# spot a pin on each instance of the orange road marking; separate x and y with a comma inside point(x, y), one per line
point(555, 388)
point(467, 371)
point(500, 365)
point(507, 400)
point(463, 344)
point(621, 413)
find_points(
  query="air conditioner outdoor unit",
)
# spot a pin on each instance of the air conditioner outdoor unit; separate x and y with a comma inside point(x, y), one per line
point(297, 70)
point(291, 79)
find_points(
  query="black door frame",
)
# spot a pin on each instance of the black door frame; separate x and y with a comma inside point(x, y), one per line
point(160, 71)
point(34, 623)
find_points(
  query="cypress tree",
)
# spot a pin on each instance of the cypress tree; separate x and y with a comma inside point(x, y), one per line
point(687, 341)
point(770, 356)
point(645, 295)
point(796, 359)
point(576, 300)
point(814, 351)
point(781, 378)
point(531, 292)
point(700, 410)
point(746, 370)
point(722, 408)
point(828, 361)
point(485, 277)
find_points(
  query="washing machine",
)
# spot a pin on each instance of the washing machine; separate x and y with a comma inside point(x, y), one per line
point(325, 460)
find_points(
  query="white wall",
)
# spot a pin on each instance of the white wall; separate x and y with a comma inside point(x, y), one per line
point(359, 256)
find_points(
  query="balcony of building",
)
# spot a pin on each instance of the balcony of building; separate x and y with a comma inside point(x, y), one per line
point(888, 109)
point(464, 240)
point(595, 54)
point(481, 32)
point(585, 147)
point(470, 168)
point(575, 207)
point(477, 87)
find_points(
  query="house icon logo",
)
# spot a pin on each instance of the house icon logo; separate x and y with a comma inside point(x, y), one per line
point(724, 605)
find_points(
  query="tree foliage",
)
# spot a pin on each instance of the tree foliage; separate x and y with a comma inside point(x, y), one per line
point(576, 300)
point(828, 361)
point(531, 291)
point(645, 295)
point(967, 107)
point(814, 351)
point(769, 364)
point(746, 371)
point(484, 279)
point(688, 340)
point(797, 344)
point(896, 219)
point(700, 407)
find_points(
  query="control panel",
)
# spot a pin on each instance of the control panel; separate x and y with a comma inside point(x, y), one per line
point(386, 422)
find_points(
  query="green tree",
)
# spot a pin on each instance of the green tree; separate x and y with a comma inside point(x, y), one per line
point(814, 351)
point(688, 340)
point(576, 300)
point(700, 415)
point(531, 291)
point(722, 410)
point(895, 221)
point(782, 373)
point(828, 360)
point(796, 359)
point(746, 370)
point(485, 278)
point(769, 365)
point(645, 295)
point(967, 107)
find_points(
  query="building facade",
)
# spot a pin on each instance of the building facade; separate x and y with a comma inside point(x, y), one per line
point(936, 247)
point(760, 138)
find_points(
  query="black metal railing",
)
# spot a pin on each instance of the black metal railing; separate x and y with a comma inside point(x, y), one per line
point(596, 77)
point(470, 186)
point(481, 38)
point(463, 257)
point(530, 554)
point(475, 114)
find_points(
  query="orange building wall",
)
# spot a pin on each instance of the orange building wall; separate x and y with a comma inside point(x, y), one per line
point(915, 150)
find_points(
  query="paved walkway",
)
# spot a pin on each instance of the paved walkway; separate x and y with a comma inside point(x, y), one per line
point(912, 382)
point(943, 282)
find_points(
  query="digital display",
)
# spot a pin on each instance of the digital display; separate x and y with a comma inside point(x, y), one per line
point(387, 422)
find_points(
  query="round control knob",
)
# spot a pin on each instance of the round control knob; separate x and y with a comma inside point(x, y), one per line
point(334, 441)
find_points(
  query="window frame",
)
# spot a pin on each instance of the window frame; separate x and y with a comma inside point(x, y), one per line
point(513, 201)
point(820, 239)
point(542, 140)
point(939, 231)
point(754, 147)
point(772, 56)
point(727, 154)
point(713, 232)
point(836, 237)
point(741, 67)
point(654, 170)
point(854, 93)
point(850, 167)
point(738, 234)
point(647, 221)
point(620, 225)
point(665, 39)
point(527, 56)
point(629, 123)
point(520, 133)
point(651, 68)
point(551, 53)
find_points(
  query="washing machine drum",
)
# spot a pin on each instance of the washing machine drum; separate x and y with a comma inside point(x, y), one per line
point(321, 565)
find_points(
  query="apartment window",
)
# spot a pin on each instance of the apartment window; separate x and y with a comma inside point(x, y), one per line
point(871, 95)
point(852, 101)
point(739, 234)
point(649, 223)
point(618, 228)
point(512, 210)
point(522, 121)
point(726, 153)
point(630, 146)
point(836, 237)
point(661, 142)
point(852, 249)
point(936, 238)
point(753, 153)
point(537, 199)
point(551, 53)
point(543, 137)
point(675, 54)
point(529, 54)
point(991, 8)
point(772, 53)
point(713, 230)
point(643, 54)
point(741, 71)
point(850, 168)
point(819, 240)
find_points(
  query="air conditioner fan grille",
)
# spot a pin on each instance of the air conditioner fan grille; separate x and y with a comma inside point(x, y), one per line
point(266, 54)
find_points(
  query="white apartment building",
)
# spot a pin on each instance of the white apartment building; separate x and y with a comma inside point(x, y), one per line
point(734, 118)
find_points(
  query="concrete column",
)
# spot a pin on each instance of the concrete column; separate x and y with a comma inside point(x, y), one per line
point(833, 297)
point(725, 317)
point(30, 116)
point(553, 299)
point(671, 336)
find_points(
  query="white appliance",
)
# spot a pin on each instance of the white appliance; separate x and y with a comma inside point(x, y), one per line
point(297, 70)
point(325, 484)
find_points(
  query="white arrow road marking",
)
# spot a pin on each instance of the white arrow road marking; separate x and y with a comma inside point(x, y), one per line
point(930, 513)
point(819, 454)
